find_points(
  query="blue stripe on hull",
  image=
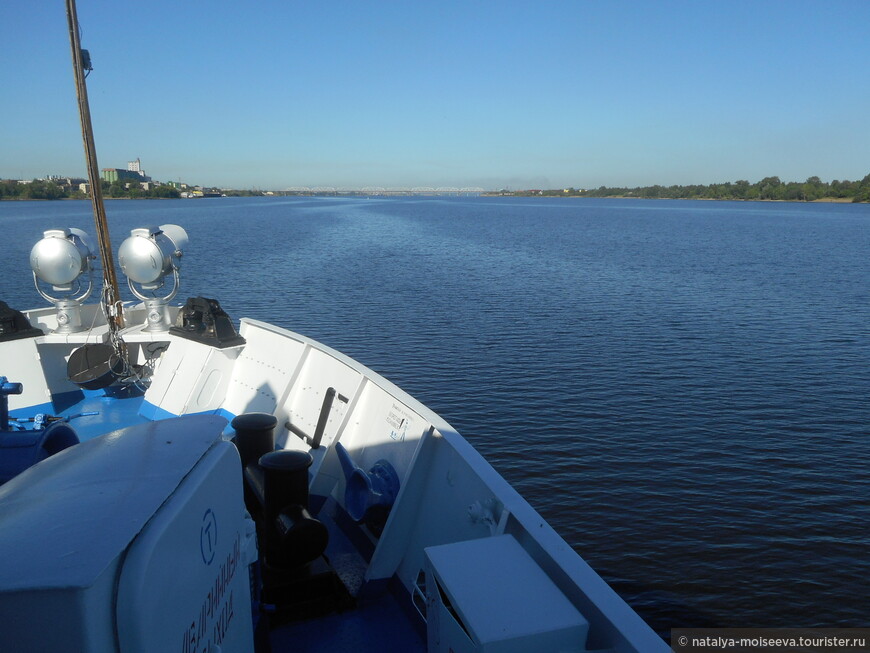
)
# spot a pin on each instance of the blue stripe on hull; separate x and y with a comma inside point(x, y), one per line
point(154, 413)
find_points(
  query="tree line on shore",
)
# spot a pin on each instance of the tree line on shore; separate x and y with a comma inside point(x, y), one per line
point(46, 189)
point(49, 189)
point(769, 188)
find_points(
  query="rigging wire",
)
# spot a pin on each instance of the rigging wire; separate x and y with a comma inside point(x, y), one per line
point(110, 302)
point(114, 313)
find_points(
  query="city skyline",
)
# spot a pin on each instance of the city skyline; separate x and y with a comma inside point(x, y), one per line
point(400, 96)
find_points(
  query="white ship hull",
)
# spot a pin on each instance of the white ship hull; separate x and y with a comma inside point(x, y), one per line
point(471, 564)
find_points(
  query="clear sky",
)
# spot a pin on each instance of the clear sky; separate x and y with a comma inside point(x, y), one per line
point(279, 93)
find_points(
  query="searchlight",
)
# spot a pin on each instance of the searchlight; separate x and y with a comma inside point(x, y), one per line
point(60, 259)
point(147, 257)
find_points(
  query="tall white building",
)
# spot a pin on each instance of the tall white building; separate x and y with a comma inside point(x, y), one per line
point(134, 166)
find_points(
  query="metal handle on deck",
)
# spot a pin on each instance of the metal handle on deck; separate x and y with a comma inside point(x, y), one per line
point(328, 399)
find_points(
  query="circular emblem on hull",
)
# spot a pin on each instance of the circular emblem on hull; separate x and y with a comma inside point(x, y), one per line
point(208, 537)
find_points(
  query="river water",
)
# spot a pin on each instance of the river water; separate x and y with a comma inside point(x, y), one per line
point(681, 388)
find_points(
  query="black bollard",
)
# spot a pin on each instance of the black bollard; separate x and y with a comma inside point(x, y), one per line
point(285, 480)
point(255, 435)
point(294, 536)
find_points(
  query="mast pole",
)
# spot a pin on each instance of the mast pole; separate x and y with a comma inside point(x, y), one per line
point(111, 296)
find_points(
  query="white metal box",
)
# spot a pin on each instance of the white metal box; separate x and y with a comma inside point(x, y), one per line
point(489, 596)
point(138, 538)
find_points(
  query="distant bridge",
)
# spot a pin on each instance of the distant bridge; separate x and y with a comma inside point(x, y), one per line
point(378, 190)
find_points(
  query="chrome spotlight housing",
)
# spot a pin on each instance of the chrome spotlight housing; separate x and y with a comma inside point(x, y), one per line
point(60, 260)
point(147, 257)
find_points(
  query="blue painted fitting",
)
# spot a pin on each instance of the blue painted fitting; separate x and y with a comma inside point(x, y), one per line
point(20, 450)
point(7, 389)
point(368, 496)
point(24, 448)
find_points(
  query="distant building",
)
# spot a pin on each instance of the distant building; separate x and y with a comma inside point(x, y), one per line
point(118, 174)
point(112, 175)
point(133, 172)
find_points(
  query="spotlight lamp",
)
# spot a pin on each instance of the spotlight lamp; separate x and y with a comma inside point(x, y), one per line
point(60, 260)
point(147, 257)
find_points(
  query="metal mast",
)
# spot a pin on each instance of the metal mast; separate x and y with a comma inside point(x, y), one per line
point(111, 296)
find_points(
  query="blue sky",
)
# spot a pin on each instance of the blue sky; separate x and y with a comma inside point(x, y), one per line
point(277, 94)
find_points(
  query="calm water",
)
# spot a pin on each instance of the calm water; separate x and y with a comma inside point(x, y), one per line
point(680, 388)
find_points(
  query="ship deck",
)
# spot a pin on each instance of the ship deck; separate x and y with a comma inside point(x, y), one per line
point(112, 412)
point(374, 625)
point(371, 625)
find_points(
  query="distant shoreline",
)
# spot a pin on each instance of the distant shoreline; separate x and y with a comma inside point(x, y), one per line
point(768, 189)
point(824, 200)
point(77, 199)
point(489, 195)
